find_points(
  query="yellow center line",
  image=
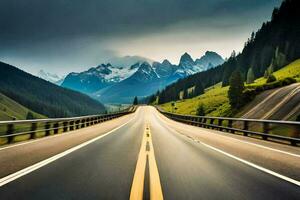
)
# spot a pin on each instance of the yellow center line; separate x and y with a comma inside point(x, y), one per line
point(137, 188)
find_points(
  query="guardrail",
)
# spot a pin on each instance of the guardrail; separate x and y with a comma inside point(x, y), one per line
point(280, 131)
point(30, 129)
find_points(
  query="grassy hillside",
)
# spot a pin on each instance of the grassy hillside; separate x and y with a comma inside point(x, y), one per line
point(44, 97)
point(215, 98)
point(10, 109)
point(291, 70)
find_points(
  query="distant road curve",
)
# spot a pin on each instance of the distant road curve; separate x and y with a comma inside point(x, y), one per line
point(279, 104)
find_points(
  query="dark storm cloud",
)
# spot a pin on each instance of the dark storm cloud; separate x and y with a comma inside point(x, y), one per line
point(32, 20)
point(54, 26)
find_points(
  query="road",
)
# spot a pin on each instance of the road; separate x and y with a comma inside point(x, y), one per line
point(145, 154)
point(277, 104)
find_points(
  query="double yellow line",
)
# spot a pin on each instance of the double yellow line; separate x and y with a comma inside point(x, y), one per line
point(146, 154)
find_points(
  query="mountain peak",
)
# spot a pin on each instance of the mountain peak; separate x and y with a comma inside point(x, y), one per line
point(186, 58)
point(209, 60)
point(212, 53)
point(166, 62)
point(145, 66)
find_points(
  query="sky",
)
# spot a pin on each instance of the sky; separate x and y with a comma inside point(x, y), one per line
point(61, 36)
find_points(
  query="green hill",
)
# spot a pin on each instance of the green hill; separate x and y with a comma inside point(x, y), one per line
point(44, 97)
point(9, 109)
point(274, 45)
point(215, 100)
point(291, 70)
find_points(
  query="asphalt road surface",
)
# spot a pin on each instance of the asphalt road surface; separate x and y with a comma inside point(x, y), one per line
point(277, 104)
point(147, 156)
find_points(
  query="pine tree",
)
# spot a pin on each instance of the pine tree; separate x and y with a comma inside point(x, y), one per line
point(271, 78)
point(266, 74)
point(236, 88)
point(185, 94)
point(29, 115)
point(161, 97)
point(198, 89)
point(250, 76)
point(200, 110)
point(135, 101)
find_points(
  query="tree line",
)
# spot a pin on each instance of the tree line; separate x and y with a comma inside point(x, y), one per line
point(274, 45)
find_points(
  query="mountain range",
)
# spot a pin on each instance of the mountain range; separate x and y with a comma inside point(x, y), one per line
point(119, 84)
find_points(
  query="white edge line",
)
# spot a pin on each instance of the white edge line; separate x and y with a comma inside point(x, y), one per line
point(247, 162)
point(254, 165)
point(269, 148)
point(40, 164)
point(251, 143)
point(46, 137)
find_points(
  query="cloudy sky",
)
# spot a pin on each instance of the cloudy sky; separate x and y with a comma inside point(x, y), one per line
point(60, 36)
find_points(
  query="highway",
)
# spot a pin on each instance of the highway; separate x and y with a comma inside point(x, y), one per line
point(145, 155)
point(275, 104)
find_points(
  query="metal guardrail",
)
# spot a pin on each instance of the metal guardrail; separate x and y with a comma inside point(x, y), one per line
point(265, 129)
point(10, 129)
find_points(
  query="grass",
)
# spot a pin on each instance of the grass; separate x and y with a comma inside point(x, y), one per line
point(10, 109)
point(25, 128)
point(291, 70)
point(215, 100)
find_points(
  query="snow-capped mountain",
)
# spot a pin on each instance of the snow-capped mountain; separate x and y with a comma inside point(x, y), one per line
point(119, 84)
point(187, 66)
point(209, 60)
point(53, 78)
point(128, 61)
point(144, 81)
point(96, 78)
point(164, 69)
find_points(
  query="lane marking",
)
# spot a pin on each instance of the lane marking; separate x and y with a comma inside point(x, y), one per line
point(254, 165)
point(293, 112)
point(40, 164)
point(280, 104)
point(269, 148)
point(262, 102)
point(146, 152)
point(268, 171)
point(47, 137)
point(246, 142)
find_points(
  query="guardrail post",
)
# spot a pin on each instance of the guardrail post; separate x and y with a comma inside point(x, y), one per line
point(220, 122)
point(71, 124)
point(77, 124)
point(197, 121)
point(32, 130)
point(293, 142)
point(212, 123)
point(82, 123)
point(204, 123)
point(65, 124)
point(87, 122)
point(230, 126)
point(266, 130)
point(55, 126)
point(246, 127)
point(47, 127)
point(10, 130)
